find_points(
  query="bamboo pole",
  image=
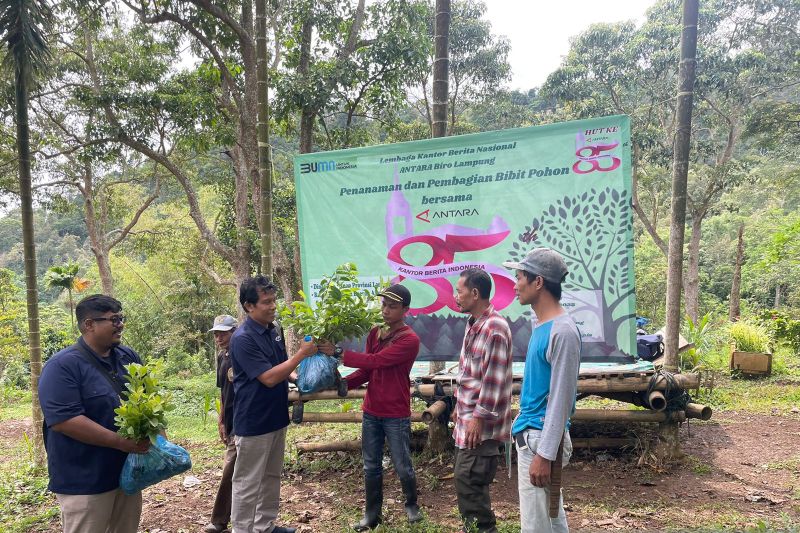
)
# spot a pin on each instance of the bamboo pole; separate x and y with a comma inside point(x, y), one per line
point(338, 418)
point(656, 401)
point(594, 443)
point(417, 443)
point(433, 411)
point(591, 443)
point(696, 410)
point(607, 415)
point(591, 385)
point(598, 415)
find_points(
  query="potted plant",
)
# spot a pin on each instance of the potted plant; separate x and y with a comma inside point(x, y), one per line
point(343, 310)
point(750, 349)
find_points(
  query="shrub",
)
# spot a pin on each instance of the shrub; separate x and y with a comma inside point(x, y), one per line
point(178, 361)
point(782, 327)
point(749, 337)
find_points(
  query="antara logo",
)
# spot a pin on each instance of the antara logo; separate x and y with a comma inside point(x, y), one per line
point(427, 215)
point(320, 166)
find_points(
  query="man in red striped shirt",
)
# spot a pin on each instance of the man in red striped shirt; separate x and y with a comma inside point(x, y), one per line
point(483, 406)
point(385, 366)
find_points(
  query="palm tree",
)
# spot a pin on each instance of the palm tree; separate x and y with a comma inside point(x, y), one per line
point(66, 277)
point(27, 55)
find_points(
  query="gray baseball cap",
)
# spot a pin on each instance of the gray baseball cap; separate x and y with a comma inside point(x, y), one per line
point(224, 323)
point(543, 262)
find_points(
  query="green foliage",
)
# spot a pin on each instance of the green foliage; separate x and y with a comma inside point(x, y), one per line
point(62, 276)
point(142, 414)
point(178, 361)
point(697, 334)
point(749, 337)
point(206, 408)
point(54, 335)
point(27, 504)
point(343, 310)
point(782, 327)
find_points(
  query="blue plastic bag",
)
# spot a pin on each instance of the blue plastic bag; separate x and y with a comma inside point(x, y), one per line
point(163, 460)
point(316, 372)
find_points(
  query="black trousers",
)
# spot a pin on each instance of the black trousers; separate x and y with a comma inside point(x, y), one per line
point(473, 474)
point(221, 514)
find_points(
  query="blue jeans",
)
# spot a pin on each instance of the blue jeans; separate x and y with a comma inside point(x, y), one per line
point(397, 431)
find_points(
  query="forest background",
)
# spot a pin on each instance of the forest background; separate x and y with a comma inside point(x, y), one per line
point(146, 181)
point(146, 164)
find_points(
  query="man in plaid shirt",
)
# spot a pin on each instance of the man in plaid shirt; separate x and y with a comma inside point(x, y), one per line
point(483, 407)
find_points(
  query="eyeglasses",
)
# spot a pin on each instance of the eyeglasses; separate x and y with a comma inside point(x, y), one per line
point(115, 320)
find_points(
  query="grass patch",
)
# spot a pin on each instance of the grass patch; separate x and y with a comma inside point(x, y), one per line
point(697, 465)
point(793, 463)
point(15, 404)
point(754, 395)
point(25, 503)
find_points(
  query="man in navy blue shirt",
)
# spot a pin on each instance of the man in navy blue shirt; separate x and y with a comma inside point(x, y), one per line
point(261, 369)
point(79, 390)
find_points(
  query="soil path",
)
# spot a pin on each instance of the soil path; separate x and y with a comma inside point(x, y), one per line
point(740, 469)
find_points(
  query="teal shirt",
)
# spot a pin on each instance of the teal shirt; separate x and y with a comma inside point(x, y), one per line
point(550, 382)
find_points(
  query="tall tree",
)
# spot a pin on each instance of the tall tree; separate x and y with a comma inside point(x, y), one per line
point(680, 173)
point(441, 68)
point(264, 156)
point(477, 63)
point(22, 24)
point(82, 163)
point(734, 308)
point(747, 52)
point(438, 438)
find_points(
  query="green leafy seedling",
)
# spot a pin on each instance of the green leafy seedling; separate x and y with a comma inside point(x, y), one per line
point(142, 414)
point(343, 310)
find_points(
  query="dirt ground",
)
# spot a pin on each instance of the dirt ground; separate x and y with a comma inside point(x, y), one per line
point(740, 469)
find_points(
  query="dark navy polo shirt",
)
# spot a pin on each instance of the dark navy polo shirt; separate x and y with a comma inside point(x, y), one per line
point(71, 386)
point(257, 409)
point(226, 387)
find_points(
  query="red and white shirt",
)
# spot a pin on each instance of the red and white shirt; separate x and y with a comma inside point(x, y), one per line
point(484, 378)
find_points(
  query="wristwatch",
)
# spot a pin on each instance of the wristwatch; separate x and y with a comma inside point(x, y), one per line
point(337, 352)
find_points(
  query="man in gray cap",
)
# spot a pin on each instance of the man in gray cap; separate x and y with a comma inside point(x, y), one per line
point(224, 326)
point(547, 399)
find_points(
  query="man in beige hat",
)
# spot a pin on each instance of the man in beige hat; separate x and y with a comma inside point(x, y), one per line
point(224, 326)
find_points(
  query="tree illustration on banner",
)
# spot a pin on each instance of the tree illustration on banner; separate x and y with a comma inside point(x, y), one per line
point(593, 232)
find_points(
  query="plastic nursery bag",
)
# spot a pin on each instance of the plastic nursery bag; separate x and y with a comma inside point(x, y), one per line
point(163, 460)
point(316, 372)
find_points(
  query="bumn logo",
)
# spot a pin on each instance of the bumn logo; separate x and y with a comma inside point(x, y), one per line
point(321, 166)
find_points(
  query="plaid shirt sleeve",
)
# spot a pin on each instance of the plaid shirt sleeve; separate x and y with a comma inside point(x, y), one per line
point(491, 399)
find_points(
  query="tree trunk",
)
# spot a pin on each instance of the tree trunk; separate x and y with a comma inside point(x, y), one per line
point(680, 171)
point(96, 237)
point(439, 439)
point(264, 156)
point(29, 254)
point(441, 68)
point(104, 268)
point(441, 73)
point(692, 285)
point(303, 68)
point(777, 296)
point(736, 285)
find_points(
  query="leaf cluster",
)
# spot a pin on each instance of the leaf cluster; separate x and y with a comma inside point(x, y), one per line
point(749, 337)
point(343, 310)
point(142, 414)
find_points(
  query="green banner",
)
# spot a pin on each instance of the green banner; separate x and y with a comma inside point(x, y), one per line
point(421, 212)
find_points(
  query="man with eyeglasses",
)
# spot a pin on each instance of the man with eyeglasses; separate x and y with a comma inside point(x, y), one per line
point(79, 389)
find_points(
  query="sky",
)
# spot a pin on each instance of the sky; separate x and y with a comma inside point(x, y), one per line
point(539, 30)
